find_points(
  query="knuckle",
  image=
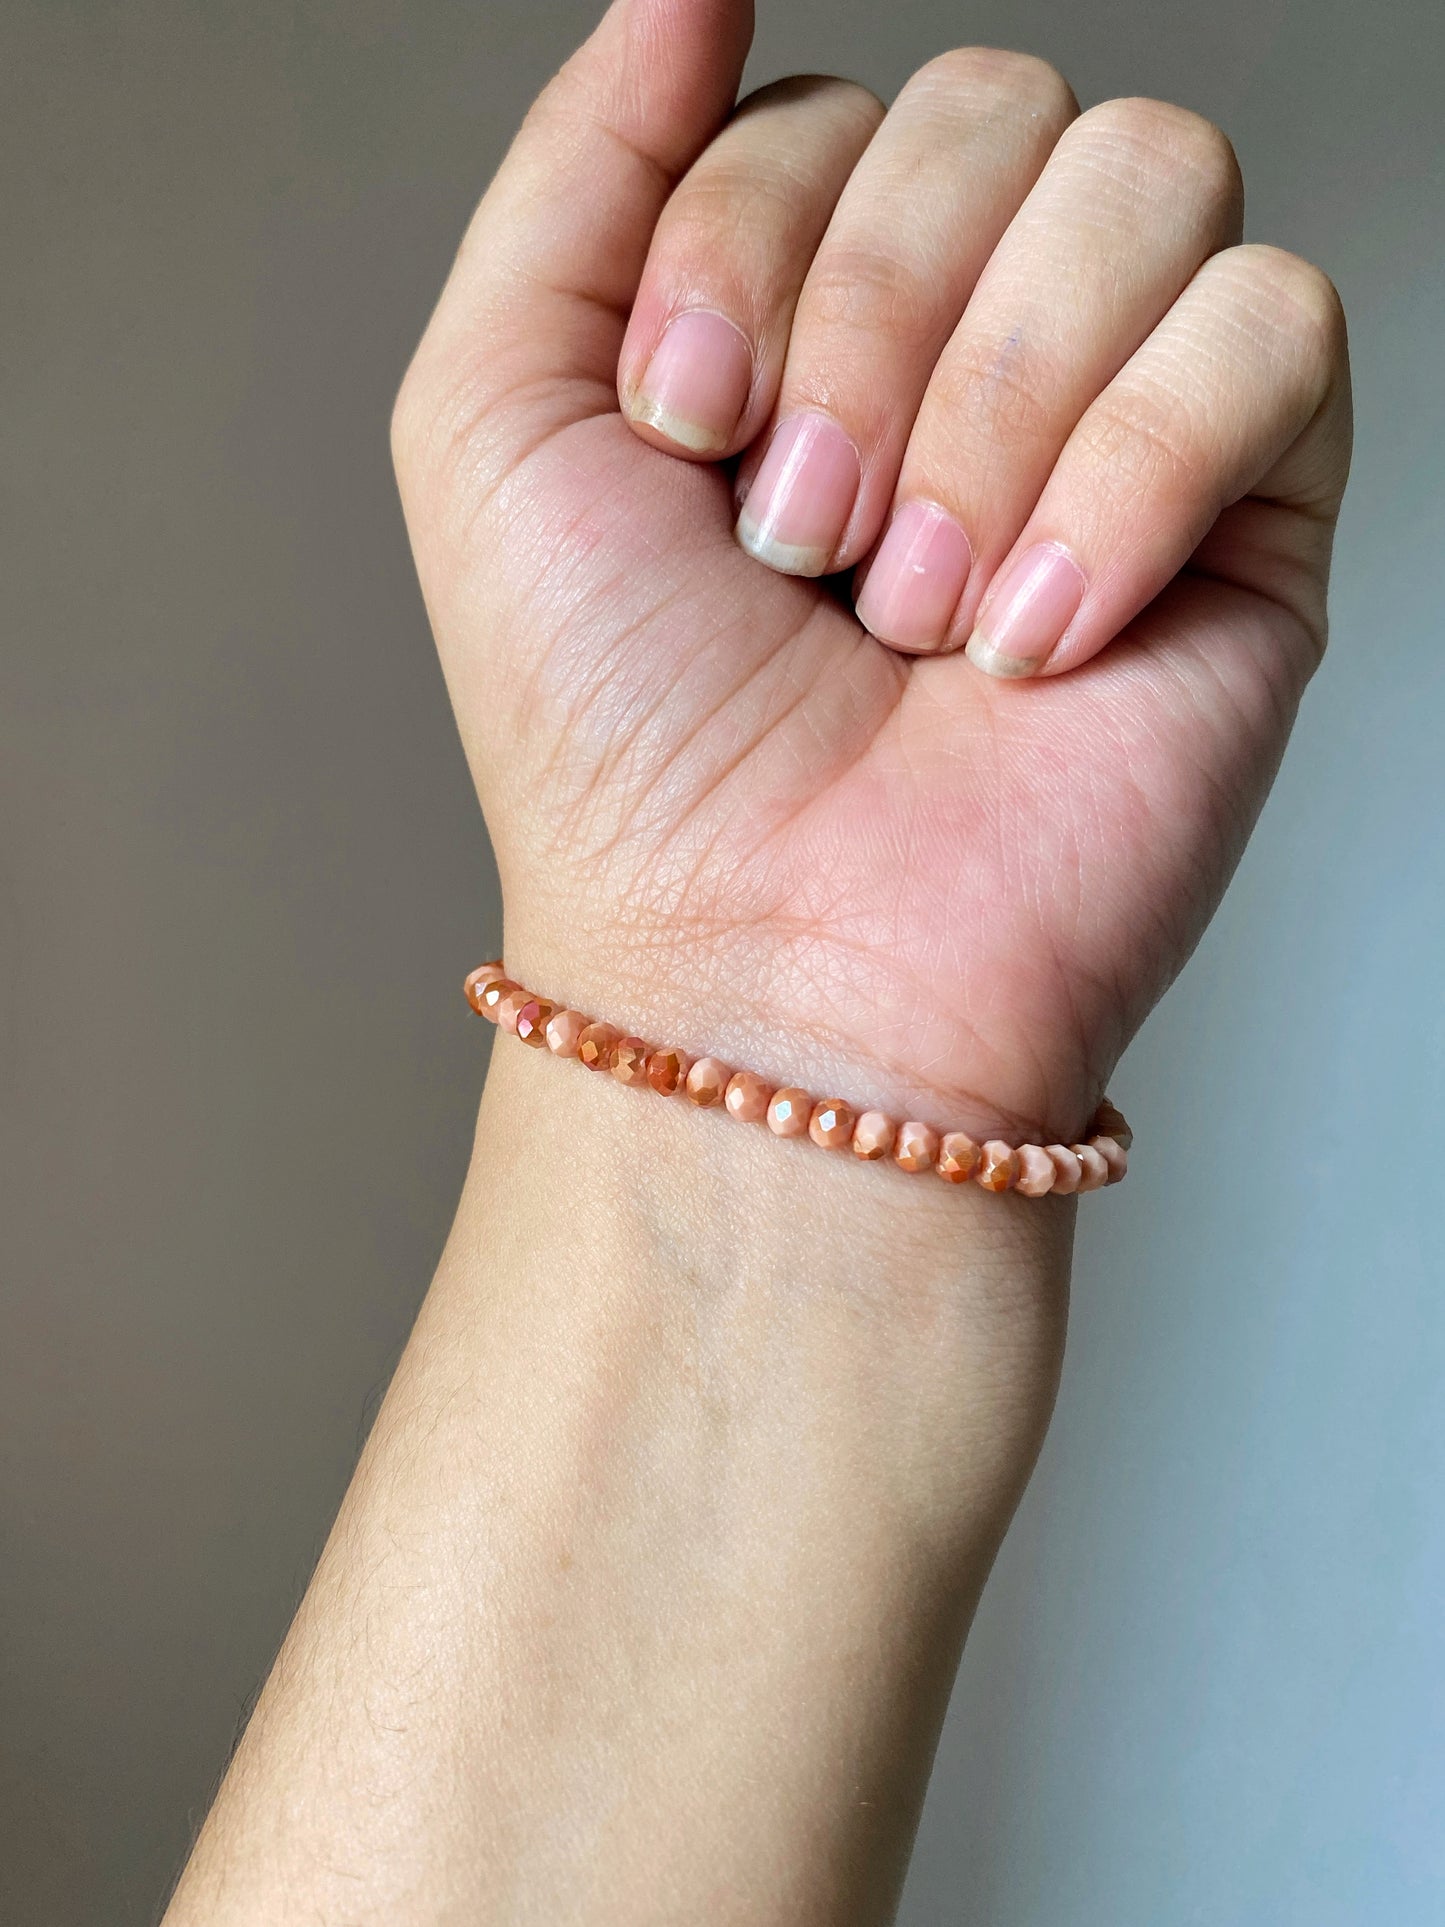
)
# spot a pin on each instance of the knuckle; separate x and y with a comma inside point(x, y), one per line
point(1137, 440)
point(869, 289)
point(1002, 393)
point(993, 73)
point(1166, 138)
point(1297, 298)
point(847, 101)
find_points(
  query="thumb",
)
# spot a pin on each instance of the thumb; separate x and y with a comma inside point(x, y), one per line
point(539, 296)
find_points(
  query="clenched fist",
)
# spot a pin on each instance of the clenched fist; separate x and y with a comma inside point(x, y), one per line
point(875, 556)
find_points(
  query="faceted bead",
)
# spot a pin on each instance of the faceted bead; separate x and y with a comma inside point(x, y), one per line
point(958, 1157)
point(789, 1112)
point(667, 1071)
point(1036, 1171)
point(998, 1167)
point(1094, 1172)
point(476, 983)
point(831, 1124)
point(490, 994)
point(564, 1032)
point(707, 1080)
point(1109, 1121)
point(510, 1008)
point(629, 1060)
point(748, 1097)
point(917, 1147)
point(594, 1046)
point(532, 1021)
point(873, 1136)
point(1067, 1170)
point(1114, 1155)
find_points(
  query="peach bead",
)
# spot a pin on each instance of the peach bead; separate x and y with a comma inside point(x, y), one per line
point(564, 1032)
point(1094, 1173)
point(510, 1008)
point(490, 994)
point(789, 1112)
point(748, 1097)
point(1036, 1171)
point(958, 1157)
point(831, 1124)
point(628, 1063)
point(1114, 1155)
point(1067, 1170)
point(998, 1166)
point(594, 1046)
point(477, 981)
point(532, 1021)
point(667, 1071)
point(917, 1147)
point(873, 1135)
point(707, 1080)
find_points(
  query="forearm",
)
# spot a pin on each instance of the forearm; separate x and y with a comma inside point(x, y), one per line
point(647, 1597)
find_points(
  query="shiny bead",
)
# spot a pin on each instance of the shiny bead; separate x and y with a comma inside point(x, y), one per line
point(916, 1148)
point(510, 1008)
point(564, 1032)
point(1109, 1121)
point(594, 1046)
point(1114, 1155)
point(1094, 1173)
point(831, 1124)
point(789, 1112)
point(629, 1060)
point(476, 983)
point(1036, 1171)
point(748, 1097)
point(707, 1080)
point(998, 1166)
point(532, 1021)
point(489, 995)
point(1067, 1170)
point(667, 1071)
point(958, 1157)
point(873, 1136)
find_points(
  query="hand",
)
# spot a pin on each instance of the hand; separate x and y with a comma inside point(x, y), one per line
point(728, 810)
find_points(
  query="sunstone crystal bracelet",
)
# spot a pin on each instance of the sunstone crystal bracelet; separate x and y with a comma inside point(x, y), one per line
point(1033, 1170)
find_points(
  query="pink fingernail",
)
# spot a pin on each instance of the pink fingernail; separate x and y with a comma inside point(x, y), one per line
point(801, 497)
point(914, 581)
point(696, 385)
point(1028, 612)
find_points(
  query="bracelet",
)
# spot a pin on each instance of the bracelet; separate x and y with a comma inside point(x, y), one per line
point(1033, 1170)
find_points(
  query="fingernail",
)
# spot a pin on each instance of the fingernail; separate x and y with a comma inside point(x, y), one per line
point(914, 581)
point(1028, 612)
point(696, 385)
point(801, 497)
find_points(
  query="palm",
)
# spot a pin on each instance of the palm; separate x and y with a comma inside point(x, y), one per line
point(760, 821)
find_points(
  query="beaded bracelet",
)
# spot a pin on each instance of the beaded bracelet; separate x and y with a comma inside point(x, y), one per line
point(1033, 1170)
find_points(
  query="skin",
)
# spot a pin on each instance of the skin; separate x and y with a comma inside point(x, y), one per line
point(647, 1597)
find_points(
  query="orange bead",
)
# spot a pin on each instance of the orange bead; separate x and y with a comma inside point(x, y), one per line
point(831, 1124)
point(707, 1080)
point(489, 994)
point(629, 1060)
point(873, 1136)
point(564, 1032)
point(1109, 1121)
point(958, 1157)
point(477, 981)
point(789, 1112)
point(667, 1071)
point(917, 1147)
point(510, 1008)
point(532, 1021)
point(594, 1046)
point(998, 1166)
point(747, 1097)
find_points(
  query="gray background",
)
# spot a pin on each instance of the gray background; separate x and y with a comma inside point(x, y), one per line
point(241, 873)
